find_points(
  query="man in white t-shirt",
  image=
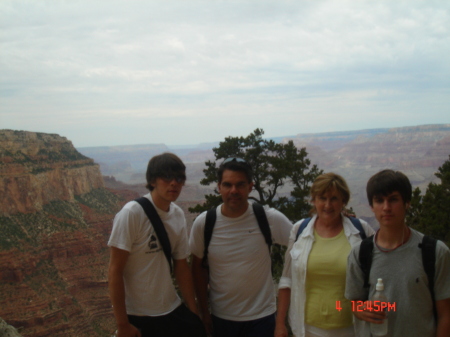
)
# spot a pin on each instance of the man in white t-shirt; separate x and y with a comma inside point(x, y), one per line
point(144, 299)
point(241, 289)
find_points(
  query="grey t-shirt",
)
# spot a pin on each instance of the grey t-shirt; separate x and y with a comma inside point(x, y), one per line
point(406, 286)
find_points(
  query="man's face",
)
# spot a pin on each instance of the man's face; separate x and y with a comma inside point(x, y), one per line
point(389, 210)
point(234, 189)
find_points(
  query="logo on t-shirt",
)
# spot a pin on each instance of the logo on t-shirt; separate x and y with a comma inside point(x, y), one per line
point(153, 242)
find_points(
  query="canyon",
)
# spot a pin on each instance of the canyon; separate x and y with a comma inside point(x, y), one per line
point(417, 151)
point(55, 219)
point(57, 204)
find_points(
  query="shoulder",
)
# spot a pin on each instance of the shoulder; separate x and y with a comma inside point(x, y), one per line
point(276, 216)
point(442, 247)
point(367, 228)
point(442, 253)
point(177, 211)
point(351, 223)
point(130, 209)
point(199, 222)
point(306, 223)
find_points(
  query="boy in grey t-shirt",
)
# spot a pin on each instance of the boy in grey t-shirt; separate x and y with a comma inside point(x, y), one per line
point(397, 259)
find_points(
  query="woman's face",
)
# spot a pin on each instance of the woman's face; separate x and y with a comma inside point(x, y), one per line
point(329, 205)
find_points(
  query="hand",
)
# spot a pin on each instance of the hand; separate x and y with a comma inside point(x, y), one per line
point(128, 331)
point(281, 331)
point(369, 315)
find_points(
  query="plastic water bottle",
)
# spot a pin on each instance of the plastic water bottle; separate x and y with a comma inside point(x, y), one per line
point(379, 329)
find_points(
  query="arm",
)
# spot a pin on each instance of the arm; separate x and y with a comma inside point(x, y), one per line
point(117, 264)
point(284, 292)
point(443, 313)
point(185, 283)
point(284, 297)
point(200, 275)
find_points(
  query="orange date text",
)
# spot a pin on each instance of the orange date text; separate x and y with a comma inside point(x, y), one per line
point(369, 306)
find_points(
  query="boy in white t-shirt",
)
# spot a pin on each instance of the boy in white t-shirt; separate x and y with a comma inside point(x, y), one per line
point(144, 299)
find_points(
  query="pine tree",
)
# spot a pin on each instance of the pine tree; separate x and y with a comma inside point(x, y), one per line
point(430, 213)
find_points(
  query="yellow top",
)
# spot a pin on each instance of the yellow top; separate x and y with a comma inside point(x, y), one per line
point(325, 283)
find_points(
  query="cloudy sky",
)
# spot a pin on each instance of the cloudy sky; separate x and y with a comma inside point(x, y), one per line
point(187, 71)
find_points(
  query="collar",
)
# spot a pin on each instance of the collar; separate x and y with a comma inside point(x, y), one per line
point(349, 228)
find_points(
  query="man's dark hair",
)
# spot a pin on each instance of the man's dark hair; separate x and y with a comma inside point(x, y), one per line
point(235, 164)
point(163, 165)
point(387, 181)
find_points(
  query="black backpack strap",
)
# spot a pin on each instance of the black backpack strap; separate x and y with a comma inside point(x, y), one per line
point(158, 225)
point(210, 221)
point(365, 259)
point(261, 217)
point(358, 226)
point(302, 227)
point(428, 247)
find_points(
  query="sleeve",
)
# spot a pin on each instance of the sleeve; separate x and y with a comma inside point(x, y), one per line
point(442, 273)
point(196, 240)
point(286, 276)
point(354, 285)
point(125, 226)
point(280, 226)
point(181, 249)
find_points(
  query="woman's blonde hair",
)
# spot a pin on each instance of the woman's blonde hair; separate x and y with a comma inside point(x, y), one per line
point(326, 182)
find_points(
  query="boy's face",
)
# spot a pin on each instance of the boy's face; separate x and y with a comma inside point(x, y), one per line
point(167, 189)
point(389, 210)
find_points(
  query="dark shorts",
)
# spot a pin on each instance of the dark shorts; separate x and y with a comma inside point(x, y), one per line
point(179, 323)
point(261, 327)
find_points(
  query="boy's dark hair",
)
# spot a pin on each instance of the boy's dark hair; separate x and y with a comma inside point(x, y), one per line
point(387, 181)
point(235, 164)
point(163, 165)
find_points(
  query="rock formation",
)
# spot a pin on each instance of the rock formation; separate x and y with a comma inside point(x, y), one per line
point(55, 219)
point(37, 168)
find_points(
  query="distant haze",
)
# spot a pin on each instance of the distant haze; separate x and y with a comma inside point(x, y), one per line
point(356, 155)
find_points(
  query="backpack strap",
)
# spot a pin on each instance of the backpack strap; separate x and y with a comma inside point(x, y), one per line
point(302, 227)
point(357, 223)
point(158, 225)
point(211, 216)
point(428, 247)
point(261, 217)
point(365, 260)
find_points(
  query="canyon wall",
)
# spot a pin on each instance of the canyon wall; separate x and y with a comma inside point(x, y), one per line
point(37, 168)
point(55, 220)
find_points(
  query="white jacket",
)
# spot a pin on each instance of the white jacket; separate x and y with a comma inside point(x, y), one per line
point(296, 261)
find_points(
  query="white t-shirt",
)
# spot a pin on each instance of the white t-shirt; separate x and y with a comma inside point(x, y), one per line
point(149, 289)
point(241, 285)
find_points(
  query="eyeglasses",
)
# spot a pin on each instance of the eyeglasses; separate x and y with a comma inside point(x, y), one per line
point(168, 177)
point(236, 159)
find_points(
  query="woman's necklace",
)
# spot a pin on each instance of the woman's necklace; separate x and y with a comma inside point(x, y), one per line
point(390, 250)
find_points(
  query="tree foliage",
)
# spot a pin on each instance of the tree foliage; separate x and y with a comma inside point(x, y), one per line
point(430, 213)
point(275, 165)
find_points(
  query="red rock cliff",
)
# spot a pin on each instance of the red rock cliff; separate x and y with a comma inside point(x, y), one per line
point(37, 168)
point(55, 220)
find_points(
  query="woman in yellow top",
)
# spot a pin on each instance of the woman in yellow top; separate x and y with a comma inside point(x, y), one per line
point(313, 281)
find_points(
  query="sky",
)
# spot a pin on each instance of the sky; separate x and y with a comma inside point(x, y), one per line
point(105, 73)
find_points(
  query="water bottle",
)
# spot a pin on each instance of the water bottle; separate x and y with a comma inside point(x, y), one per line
point(379, 329)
